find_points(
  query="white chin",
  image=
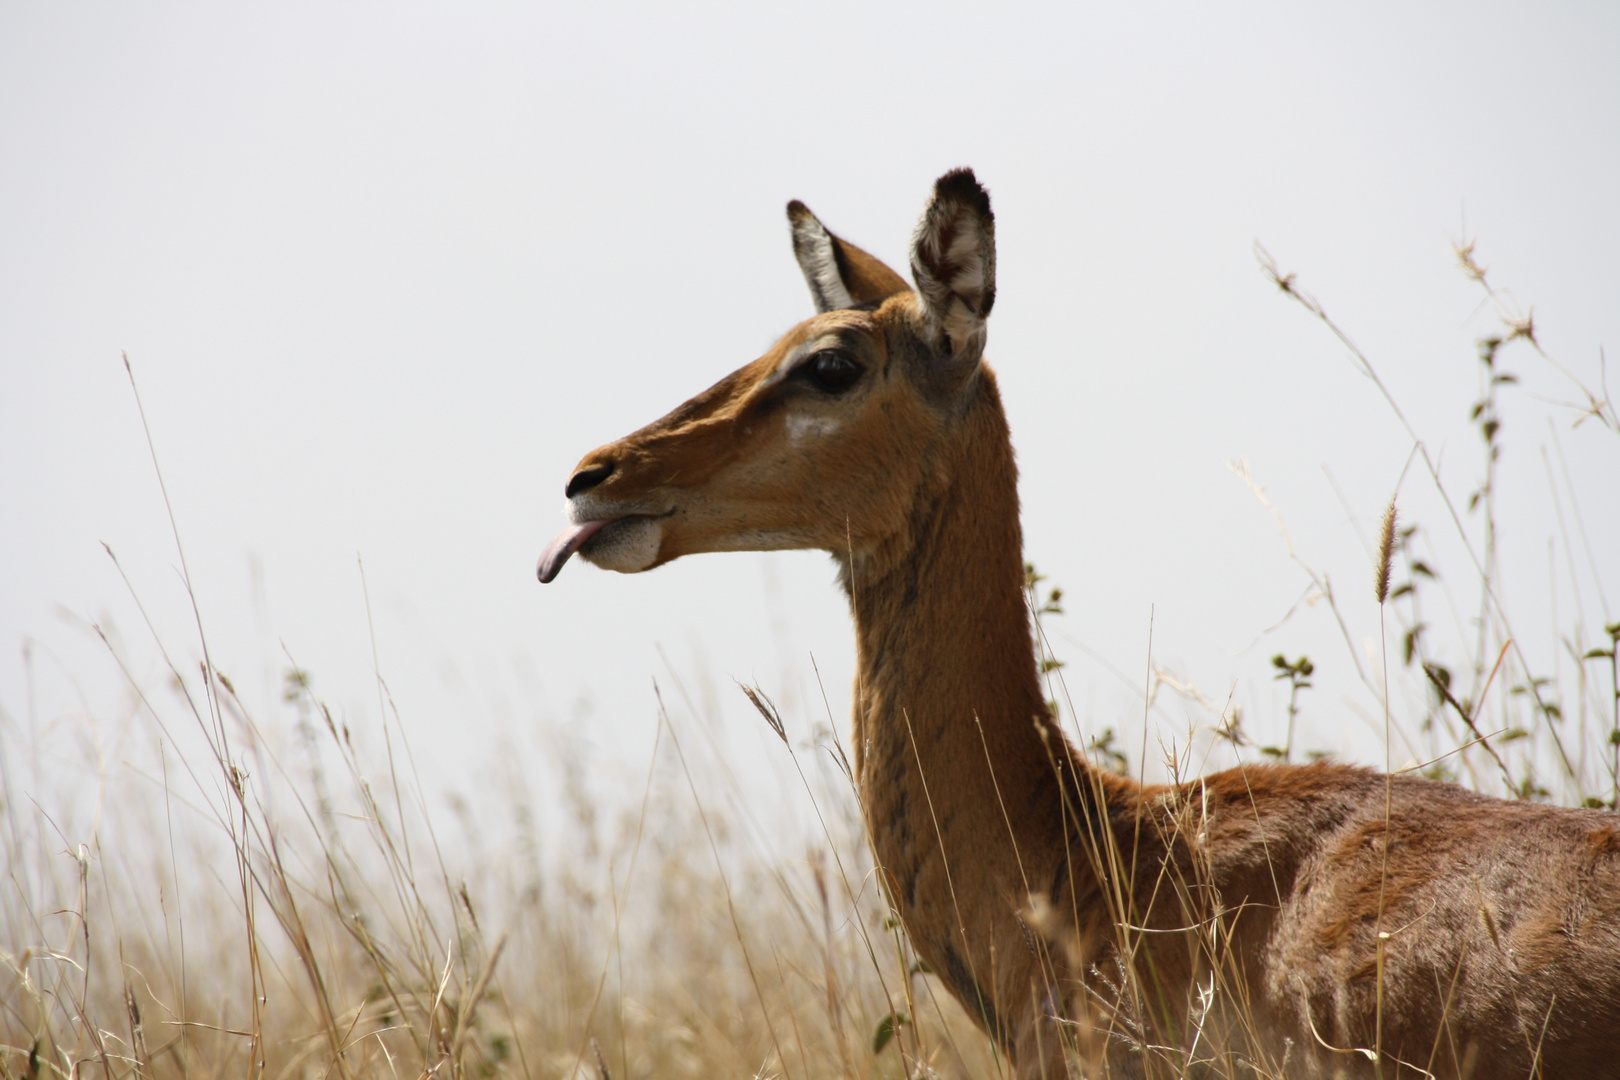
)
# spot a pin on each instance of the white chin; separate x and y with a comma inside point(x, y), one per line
point(628, 545)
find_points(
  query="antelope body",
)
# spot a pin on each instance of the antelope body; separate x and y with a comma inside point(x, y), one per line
point(1091, 925)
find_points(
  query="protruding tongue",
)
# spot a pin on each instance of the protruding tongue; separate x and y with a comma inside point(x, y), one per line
point(566, 544)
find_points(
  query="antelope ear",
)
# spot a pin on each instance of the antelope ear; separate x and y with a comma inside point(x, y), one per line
point(953, 259)
point(840, 275)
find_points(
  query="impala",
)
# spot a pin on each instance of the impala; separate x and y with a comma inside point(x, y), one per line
point(1271, 920)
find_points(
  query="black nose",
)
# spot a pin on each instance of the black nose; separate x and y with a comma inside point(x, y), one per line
point(587, 478)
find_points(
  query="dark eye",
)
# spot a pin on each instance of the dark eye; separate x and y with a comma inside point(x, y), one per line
point(833, 370)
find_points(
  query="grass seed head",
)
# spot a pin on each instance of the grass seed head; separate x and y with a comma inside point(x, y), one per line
point(1386, 552)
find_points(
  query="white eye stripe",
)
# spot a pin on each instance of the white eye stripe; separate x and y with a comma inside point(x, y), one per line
point(798, 355)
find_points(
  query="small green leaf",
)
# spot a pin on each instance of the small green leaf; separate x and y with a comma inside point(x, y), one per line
point(1410, 648)
point(1439, 772)
point(1598, 654)
point(885, 1030)
point(1529, 789)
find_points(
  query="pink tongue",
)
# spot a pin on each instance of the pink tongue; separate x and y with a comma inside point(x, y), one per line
point(566, 544)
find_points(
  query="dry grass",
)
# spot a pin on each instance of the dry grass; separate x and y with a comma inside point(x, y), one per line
point(235, 900)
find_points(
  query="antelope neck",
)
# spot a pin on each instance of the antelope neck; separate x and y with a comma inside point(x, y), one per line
point(943, 636)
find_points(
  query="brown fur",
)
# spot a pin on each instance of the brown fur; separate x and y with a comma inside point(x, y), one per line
point(1075, 914)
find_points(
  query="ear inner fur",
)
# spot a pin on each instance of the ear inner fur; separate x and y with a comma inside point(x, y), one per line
point(953, 260)
point(840, 275)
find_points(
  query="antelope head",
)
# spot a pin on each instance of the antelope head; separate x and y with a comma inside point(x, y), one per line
point(831, 438)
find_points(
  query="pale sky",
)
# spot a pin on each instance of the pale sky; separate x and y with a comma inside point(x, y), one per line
point(385, 272)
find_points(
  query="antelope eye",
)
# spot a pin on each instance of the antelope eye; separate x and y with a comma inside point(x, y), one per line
point(833, 370)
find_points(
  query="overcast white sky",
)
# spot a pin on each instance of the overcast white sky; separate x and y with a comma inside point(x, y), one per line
point(385, 272)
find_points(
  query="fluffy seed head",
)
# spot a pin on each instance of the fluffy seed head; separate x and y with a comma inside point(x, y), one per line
point(1386, 552)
